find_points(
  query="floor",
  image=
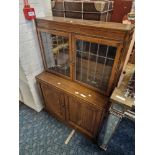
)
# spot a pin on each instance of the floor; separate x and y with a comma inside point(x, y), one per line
point(41, 134)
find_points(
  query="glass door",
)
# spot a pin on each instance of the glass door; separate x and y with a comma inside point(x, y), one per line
point(56, 52)
point(94, 62)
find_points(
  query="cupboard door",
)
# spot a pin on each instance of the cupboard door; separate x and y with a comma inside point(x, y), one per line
point(54, 101)
point(96, 62)
point(90, 119)
point(73, 114)
point(83, 116)
point(56, 52)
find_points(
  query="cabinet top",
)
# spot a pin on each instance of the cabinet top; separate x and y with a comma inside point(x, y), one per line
point(74, 89)
point(89, 23)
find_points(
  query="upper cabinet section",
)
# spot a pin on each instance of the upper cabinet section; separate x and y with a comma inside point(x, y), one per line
point(91, 53)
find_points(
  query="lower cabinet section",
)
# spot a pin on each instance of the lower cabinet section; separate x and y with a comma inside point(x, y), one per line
point(78, 113)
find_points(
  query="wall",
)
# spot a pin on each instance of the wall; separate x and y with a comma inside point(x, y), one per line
point(121, 8)
point(30, 62)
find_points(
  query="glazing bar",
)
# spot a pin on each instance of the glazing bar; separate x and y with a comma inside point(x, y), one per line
point(103, 57)
point(96, 61)
point(56, 54)
point(64, 53)
point(57, 40)
point(75, 72)
point(82, 10)
point(88, 61)
point(64, 8)
point(48, 49)
point(47, 42)
point(104, 64)
point(81, 63)
point(99, 56)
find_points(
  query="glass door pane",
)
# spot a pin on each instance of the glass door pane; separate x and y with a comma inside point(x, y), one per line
point(94, 63)
point(56, 49)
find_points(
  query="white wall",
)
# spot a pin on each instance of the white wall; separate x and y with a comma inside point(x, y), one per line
point(29, 54)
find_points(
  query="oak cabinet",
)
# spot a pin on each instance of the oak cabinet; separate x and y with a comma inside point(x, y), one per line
point(83, 61)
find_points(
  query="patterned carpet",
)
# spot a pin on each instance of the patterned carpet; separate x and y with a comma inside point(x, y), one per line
point(41, 134)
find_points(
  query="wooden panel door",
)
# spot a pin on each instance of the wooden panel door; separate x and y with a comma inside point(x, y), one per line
point(91, 118)
point(54, 101)
point(83, 116)
point(73, 111)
